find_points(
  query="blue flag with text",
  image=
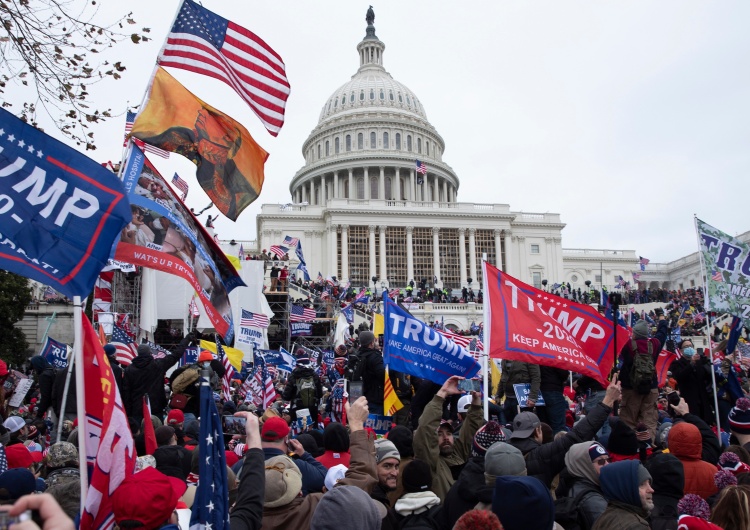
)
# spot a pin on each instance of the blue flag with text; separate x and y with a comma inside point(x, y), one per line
point(414, 348)
point(60, 211)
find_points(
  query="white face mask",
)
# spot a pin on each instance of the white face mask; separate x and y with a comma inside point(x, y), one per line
point(206, 364)
point(688, 352)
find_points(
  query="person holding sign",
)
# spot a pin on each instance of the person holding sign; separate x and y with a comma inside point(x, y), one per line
point(434, 442)
point(514, 373)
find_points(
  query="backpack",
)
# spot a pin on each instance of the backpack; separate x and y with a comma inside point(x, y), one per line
point(356, 367)
point(306, 398)
point(566, 510)
point(643, 370)
point(421, 521)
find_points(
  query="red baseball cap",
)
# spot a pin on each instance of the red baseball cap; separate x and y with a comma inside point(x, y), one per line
point(148, 497)
point(274, 429)
point(18, 456)
point(175, 416)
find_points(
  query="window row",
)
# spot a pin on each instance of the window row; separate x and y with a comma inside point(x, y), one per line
point(372, 95)
point(325, 149)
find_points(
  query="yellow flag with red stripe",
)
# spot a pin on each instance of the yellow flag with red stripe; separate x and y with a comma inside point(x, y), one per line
point(391, 403)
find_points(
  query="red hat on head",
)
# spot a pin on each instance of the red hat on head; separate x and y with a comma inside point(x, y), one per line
point(175, 416)
point(18, 456)
point(148, 497)
point(3, 369)
point(274, 429)
point(205, 355)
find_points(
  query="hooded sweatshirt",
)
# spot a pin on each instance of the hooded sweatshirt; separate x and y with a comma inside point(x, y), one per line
point(619, 483)
point(685, 443)
point(585, 483)
point(668, 481)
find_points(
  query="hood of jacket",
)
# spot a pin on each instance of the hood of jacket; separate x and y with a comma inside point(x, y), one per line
point(667, 475)
point(685, 441)
point(619, 482)
point(39, 363)
point(524, 444)
point(304, 371)
point(142, 361)
point(579, 463)
point(413, 503)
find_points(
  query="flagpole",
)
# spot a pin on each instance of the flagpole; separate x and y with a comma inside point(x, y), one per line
point(80, 397)
point(72, 365)
point(50, 321)
point(487, 343)
point(707, 302)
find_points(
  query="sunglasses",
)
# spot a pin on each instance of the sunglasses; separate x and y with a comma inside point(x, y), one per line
point(603, 461)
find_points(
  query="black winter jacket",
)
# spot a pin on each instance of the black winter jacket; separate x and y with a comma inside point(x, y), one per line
point(469, 490)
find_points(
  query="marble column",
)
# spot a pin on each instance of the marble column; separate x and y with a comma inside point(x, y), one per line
point(462, 255)
point(352, 191)
point(381, 185)
point(523, 272)
point(508, 253)
point(344, 252)
point(367, 184)
point(310, 196)
point(383, 271)
point(472, 254)
point(373, 272)
point(412, 188)
point(336, 185)
point(445, 190)
point(498, 250)
point(396, 182)
point(409, 251)
point(332, 242)
point(436, 253)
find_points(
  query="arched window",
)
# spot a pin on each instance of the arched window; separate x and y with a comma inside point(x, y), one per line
point(374, 187)
point(351, 98)
point(361, 95)
point(388, 187)
point(382, 95)
point(372, 94)
point(400, 98)
point(327, 148)
point(419, 146)
point(408, 142)
point(343, 100)
point(427, 147)
point(408, 100)
point(348, 142)
point(360, 141)
point(329, 106)
point(373, 140)
point(398, 141)
point(390, 95)
point(336, 143)
point(360, 188)
point(336, 103)
point(318, 151)
point(386, 141)
point(346, 189)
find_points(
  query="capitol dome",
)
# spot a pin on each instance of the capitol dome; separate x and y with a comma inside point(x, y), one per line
point(370, 134)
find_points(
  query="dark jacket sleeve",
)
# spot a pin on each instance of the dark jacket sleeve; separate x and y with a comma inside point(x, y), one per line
point(662, 332)
point(290, 390)
point(318, 387)
point(313, 473)
point(218, 367)
point(711, 448)
point(46, 382)
point(536, 379)
point(248, 510)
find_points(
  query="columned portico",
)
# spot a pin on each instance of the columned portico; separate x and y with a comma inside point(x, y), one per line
point(373, 272)
point(436, 252)
point(462, 254)
point(383, 271)
point(472, 254)
point(409, 253)
point(498, 250)
point(344, 252)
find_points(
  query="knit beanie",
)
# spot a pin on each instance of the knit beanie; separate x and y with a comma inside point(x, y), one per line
point(488, 434)
point(144, 350)
point(522, 503)
point(731, 461)
point(361, 511)
point(739, 417)
point(478, 520)
point(622, 441)
point(640, 330)
point(403, 438)
point(336, 438)
point(724, 478)
point(385, 449)
point(692, 504)
point(688, 522)
point(417, 477)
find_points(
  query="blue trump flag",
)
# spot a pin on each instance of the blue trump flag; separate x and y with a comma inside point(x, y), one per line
point(413, 347)
point(210, 508)
point(60, 211)
point(56, 353)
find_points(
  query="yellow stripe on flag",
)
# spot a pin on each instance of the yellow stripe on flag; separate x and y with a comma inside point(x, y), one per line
point(234, 260)
point(391, 403)
point(379, 326)
point(235, 355)
point(495, 372)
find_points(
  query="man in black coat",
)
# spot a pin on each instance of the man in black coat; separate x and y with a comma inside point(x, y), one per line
point(45, 376)
point(693, 375)
point(373, 371)
point(145, 375)
point(302, 371)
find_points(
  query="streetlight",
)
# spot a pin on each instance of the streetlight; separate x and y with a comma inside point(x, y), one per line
point(375, 285)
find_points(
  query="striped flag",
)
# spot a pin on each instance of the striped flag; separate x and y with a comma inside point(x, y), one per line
point(421, 167)
point(643, 261)
point(193, 308)
point(391, 403)
point(200, 41)
point(291, 241)
point(471, 344)
point(269, 392)
point(717, 276)
point(129, 119)
point(256, 320)
point(279, 251)
point(181, 184)
point(301, 314)
point(636, 276)
point(226, 381)
point(125, 347)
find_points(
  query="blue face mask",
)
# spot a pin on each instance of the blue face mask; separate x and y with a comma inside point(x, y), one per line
point(688, 352)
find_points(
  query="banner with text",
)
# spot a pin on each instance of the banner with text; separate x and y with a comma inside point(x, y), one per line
point(413, 347)
point(301, 329)
point(56, 353)
point(165, 236)
point(529, 325)
point(250, 336)
point(727, 270)
point(59, 210)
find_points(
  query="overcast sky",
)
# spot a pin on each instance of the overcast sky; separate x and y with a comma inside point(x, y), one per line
point(625, 117)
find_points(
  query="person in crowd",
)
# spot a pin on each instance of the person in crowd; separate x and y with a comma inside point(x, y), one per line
point(336, 445)
point(692, 372)
point(627, 486)
point(686, 444)
point(732, 510)
point(147, 500)
point(145, 375)
point(45, 374)
point(387, 462)
point(523, 503)
point(418, 506)
point(61, 464)
point(584, 461)
point(369, 362)
point(552, 380)
point(403, 438)
point(639, 405)
point(668, 481)
point(545, 460)
point(404, 392)
point(514, 373)
point(303, 389)
point(111, 351)
point(710, 447)
point(739, 422)
point(435, 444)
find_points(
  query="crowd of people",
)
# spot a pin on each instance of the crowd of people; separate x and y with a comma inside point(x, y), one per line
point(625, 455)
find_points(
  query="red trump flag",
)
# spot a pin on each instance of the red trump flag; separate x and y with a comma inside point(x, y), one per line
point(527, 324)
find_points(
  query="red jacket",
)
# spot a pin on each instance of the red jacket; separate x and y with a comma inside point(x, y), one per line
point(686, 444)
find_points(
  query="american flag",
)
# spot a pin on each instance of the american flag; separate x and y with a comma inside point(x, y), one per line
point(362, 297)
point(643, 261)
point(193, 308)
point(129, 119)
point(49, 293)
point(279, 250)
point(636, 276)
point(257, 320)
point(320, 277)
point(210, 508)
point(421, 167)
point(3, 460)
point(181, 184)
point(621, 280)
point(301, 314)
point(338, 399)
point(241, 253)
point(203, 42)
point(226, 381)
point(394, 292)
point(717, 276)
point(125, 347)
point(291, 241)
point(269, 392)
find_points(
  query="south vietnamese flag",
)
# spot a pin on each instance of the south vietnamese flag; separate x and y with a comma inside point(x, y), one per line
point(530, 325)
